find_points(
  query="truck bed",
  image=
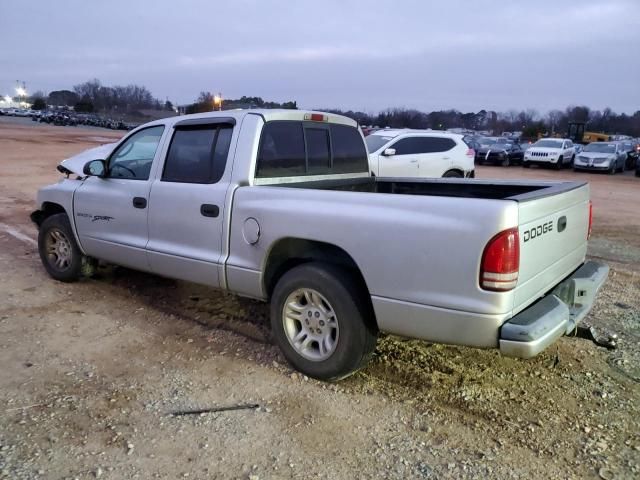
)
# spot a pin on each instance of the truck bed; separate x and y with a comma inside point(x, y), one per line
point(518, 191)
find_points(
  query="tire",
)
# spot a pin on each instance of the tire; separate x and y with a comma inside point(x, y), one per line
point(452, 174)
point(59, 252)
point(506, 162)
point(573, 159)
point(559, 163)
point(526, 164)
point(331, 289)
point(613, 169)
point(637, 173)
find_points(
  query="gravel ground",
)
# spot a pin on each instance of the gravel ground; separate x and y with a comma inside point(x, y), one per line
point(93, 371)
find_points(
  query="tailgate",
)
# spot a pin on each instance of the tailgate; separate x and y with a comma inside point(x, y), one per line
point(553, 242)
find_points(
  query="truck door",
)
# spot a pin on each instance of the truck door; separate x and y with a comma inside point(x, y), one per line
point(111, 212)
point(404, 163)
point(187, 202)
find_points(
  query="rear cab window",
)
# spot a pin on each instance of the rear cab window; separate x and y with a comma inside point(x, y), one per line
point(291, 149)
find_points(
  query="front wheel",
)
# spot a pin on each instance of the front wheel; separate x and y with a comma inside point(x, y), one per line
point(452, 174)
point(322, 320)
point(506, 162)
point(559, 163)
point(526, 164)
point(59, 252)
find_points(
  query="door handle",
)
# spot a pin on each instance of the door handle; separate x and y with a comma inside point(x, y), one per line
point(139, 202)
point(208, 210)
point(414, 161)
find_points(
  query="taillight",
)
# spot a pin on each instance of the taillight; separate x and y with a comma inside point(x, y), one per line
point(471, 152)
point(501, 262)
point(590, 219)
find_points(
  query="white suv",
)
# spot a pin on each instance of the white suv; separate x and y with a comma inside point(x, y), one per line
point(419, 153)
point(558, 152)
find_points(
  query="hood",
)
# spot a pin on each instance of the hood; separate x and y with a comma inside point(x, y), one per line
point(76, 163)
point(596, 154)
point(494, 148)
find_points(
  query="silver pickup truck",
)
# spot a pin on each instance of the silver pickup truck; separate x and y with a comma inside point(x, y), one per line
point(280, 206)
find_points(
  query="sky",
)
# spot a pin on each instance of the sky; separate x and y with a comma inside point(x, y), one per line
point(360, 55)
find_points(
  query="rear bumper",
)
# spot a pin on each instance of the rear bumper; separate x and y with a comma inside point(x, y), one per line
point(556, 314)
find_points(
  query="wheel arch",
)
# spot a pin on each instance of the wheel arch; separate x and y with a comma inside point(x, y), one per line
point(457, 170)
point(46, 210)
point(290, 252)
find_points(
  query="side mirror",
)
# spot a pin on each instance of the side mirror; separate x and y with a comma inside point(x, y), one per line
point(95, 168)
point(389, 152)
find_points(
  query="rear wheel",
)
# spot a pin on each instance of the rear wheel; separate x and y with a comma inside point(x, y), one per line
point(58, 249)
point(453, 174)
point(321, 319)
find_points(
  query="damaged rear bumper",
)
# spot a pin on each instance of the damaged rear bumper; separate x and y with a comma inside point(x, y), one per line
point(556, 314)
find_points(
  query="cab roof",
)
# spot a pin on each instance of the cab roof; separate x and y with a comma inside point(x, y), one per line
point(267, 115)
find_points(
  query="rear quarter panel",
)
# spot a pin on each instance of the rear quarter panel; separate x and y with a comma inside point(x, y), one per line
point(418, 249)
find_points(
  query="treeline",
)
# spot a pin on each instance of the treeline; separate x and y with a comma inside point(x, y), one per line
point(207, 102)
point(92, 96)
point(529, 122)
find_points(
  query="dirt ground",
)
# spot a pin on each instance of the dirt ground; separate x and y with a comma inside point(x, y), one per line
point(90, 372)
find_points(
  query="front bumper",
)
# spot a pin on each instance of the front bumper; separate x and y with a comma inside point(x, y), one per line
point(595, 167)
point(556, 314)
point(541, 160)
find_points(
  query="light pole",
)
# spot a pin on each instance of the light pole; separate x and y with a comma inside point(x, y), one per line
point(217, 101)
point(21, 91)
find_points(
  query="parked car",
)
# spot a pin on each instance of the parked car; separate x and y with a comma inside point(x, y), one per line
point(499, 151)
point(601, 156)
point(632, 149)
point(556, 152)
point(473, 141)
point(279, 205)
point(419, 153)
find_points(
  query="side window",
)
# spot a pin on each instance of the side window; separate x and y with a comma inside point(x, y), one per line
point(441, 144)
point(407, 146)
point(133, 159)
point(417, 145)
point(281, 150)
point(197, 154)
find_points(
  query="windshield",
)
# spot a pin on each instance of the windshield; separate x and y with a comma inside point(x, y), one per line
point(600, 148)
point(548, 143)
point(374, 142)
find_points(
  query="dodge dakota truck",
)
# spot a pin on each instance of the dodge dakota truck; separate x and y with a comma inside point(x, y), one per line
point(279, 205)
